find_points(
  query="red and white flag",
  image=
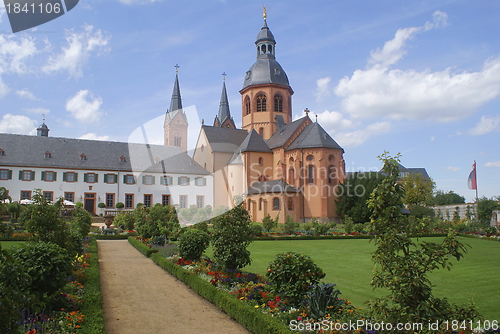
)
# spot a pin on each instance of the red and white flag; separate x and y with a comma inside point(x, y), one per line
point(472, 181)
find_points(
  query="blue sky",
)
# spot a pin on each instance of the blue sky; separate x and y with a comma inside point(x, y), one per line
point(417, 77)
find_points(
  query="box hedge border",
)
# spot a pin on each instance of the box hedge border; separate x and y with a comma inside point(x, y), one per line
point(249, 317)
point(141, 247)
point(92, 298)
point(327, 237)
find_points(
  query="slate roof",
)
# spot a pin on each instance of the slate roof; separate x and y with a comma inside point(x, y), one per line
point(418, 170)
point(224, 139)
point(29, 151)
point(313, 135)
point(254, 143)
point(279, 138)
point(272, 186)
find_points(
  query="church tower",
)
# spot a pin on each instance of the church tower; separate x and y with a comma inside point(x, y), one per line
point(175, 128)
point(223, 118)
point(266, 94)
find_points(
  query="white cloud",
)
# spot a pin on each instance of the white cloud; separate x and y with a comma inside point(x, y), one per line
point(26, 94)
point(380, 91)
point(358, 137)
point(4, 89)
point(323, 88)
point(492, 164)
point(486, 125)
point(78, 51)
point(84, 107)
point(38, 111)
point(453, 169)
point(93, 136)
point(17, 124)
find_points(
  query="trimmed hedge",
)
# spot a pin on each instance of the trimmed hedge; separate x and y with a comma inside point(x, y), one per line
point(141, 247)
point(326, 237)
point(112, 236)
point(92, 305)
point(249, 317)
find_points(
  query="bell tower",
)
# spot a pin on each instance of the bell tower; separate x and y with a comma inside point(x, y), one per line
point(175, 128)
point(266, 94)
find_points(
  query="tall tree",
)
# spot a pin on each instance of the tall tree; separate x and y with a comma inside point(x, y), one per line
point(418, 190)
point(442, 198)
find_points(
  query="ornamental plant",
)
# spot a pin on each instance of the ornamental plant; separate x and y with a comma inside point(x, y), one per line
point(231, 237)
point(403, 264)
point(192, 244)
point(321, 298)
point(293, 274)
point(268, 223)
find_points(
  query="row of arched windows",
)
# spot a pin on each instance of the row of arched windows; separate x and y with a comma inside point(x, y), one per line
point(276, 204)
point(261, 103)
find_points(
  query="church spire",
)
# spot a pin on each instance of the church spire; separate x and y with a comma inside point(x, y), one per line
point(176, 101)
point(224, 118)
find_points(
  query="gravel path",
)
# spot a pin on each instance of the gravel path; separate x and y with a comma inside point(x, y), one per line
point(141, 298)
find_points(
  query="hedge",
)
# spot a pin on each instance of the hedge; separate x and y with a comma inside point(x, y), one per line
point(92, 299)
point(249, 317)
point(141, 247)
point(326, 237)
point(112, 236)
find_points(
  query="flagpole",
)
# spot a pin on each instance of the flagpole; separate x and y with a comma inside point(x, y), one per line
point(475, 167)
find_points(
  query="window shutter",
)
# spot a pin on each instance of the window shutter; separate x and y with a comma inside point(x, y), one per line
point(179, 180)
point(162, 180)
point(9, 176)
point(64, 176)
point(105, 178)
point(153, 180)
point(204, 181)
point(188, 180)
point(124, 178)
point(33, 175)
point(170, 180)
point(143, 179)
point(43, 176)
point(20, 175)
point(76, 177)
point(84, 177)
point(96, 178)
point(55, 176)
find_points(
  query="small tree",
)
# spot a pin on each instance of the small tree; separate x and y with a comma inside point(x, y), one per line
point(348, 225)
point(402, 265)
point(268, 223)
point(289, 226)
point(231, 237)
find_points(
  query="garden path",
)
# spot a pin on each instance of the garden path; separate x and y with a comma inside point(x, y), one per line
point(139, 297)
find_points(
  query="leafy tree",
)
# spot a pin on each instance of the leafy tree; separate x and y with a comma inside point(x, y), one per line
point(192, 244)
point(353, 194)
point(442, 198)
point(14, 208)
point(421, 211)
point(231, 237)
point(418, 191)
point(485, 208)
point(83, 220)
point(401, 264)
point(289, 226)
point(348, 225)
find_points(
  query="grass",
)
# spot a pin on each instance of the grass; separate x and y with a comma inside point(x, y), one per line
point(10, 244)
point(348, 264)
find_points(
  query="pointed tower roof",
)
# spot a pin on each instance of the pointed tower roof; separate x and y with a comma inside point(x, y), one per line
point(224, 118)
point(176, 100)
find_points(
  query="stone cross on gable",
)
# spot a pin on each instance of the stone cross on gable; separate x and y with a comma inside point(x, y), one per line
point(176, 68)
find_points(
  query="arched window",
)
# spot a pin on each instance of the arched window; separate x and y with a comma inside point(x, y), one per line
point(290, 204)
point(261, 132)
point(310, 158)
point(291, 176)
point(261, 161)
point(261, 102)
point(278, 103)
point(260, 203)
point(331, 174)
point(331, 158)
point(247, 105)
point(310, 174)
point(291, 160)
point(276, 203)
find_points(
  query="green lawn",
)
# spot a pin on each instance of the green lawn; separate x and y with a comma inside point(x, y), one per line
point(9, 244)
point(347, 263)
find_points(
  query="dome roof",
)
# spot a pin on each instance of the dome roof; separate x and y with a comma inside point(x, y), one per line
point(265, 34)
point(265, 71)
point(43, 126)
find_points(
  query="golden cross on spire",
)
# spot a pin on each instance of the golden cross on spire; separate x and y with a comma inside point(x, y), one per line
point(176, 68)
point(224, 76)
point(307, 111)
point(264, 15)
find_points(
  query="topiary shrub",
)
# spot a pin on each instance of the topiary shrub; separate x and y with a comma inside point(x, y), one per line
point(119, 205)
point(256, 230)
point(192, 244)
point(292, 274)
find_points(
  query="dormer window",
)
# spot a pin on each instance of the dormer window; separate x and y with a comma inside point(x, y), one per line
point(83, 157)
point(2, 152)
point(48, 155)
point(122, 159)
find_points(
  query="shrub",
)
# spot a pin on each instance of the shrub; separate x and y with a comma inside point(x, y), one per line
point(348, 225)
point(192, 244)
point(268, 223)
point(321, 297)
point(231, 238)
point(119, 205)
point(490, 230)
point(101, 205)
point(256, 230)
point(292, 274)
point(289, 226)
point(321, 229)
point(48, 265)
point(83, 220)
point(124, 219)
